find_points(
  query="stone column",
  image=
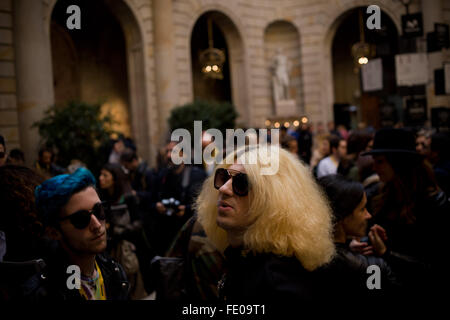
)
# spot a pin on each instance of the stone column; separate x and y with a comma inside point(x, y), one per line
point(165, 63)
point(34, 71)
point(432, 13)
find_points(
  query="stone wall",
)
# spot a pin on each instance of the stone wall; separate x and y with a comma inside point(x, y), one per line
point(316, 22)
point(9, 126)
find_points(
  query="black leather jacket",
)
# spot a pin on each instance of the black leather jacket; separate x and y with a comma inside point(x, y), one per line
point(416, 250)
point(266, 277)
point(348, 275)
point(51, 283)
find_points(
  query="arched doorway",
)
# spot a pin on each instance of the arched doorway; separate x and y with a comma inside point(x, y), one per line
point(125, 90)
point(233, 86)
point(89, 65)
point(352, 106)
point(209, 88)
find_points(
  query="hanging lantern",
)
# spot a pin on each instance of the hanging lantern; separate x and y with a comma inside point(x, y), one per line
point(362, 51)
point(212, 59)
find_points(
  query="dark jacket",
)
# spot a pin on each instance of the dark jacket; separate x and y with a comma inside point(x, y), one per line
point(442, 174)
point(203, 262)
point(161, 229)
point(51, 284)
point(415, 250)
point(266, 277)
point(143, 181)
point(348, 275)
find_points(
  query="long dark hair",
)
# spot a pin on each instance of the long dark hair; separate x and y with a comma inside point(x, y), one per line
point(121, 183)
point(343, 194)
point(413, 182)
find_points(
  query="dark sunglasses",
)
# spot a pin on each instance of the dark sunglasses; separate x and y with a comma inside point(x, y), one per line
point(82, 218)
point(239, 181)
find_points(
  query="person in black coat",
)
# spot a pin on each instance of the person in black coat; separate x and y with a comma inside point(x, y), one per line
point(50, 284)
point(348, 271)
point(74, 216)
point(141, 176)
point(175, 191)
point(273, 224)
point(411, 214)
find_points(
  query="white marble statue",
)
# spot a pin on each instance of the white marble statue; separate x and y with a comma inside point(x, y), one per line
point(280, 76)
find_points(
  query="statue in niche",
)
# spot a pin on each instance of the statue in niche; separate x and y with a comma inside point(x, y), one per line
point(280, 76)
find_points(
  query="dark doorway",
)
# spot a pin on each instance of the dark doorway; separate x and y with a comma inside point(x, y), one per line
point(206, 88)
point(90, 64)
point(347, 82)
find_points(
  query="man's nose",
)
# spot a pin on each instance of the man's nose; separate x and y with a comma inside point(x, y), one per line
point(95, 222)
point(227, 188)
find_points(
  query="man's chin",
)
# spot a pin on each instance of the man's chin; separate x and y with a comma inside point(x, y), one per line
point(99, 245)
point(98, 249)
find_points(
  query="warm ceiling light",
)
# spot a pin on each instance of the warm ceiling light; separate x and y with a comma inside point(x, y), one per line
point(363, 60)
point(212, 59)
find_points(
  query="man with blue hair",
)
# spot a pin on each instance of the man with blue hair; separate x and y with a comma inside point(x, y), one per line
point(74, 216)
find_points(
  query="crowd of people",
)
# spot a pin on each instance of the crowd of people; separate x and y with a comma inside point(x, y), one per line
point(340, 205)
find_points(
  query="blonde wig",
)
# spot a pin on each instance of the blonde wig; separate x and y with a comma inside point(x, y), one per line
point(290, 214)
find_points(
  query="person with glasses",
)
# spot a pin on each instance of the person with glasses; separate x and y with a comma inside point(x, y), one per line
point(274, 229)
point(73, 214)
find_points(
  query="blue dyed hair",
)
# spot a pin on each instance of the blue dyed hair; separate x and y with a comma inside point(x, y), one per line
point(54, 193)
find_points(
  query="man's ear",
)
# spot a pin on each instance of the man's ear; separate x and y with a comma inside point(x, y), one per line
point(53, 233)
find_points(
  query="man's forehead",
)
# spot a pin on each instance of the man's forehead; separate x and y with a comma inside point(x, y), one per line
point(237, 167)
point(84, 199)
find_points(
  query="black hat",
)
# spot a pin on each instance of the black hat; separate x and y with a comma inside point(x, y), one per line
point(390, 140)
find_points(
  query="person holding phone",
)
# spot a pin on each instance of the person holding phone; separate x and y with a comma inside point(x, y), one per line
point(348, 270)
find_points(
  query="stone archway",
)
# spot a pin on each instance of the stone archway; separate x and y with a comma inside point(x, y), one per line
point(138, 96)
point(237, 61)
point(335, 15)
point(209, 89)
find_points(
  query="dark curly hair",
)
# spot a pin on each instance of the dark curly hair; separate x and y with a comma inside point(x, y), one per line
point(19, 218)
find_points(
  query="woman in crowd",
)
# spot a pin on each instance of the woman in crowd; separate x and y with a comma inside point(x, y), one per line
point(274, 226)
point(411, 211)
point(348, 270)
point(124, 224)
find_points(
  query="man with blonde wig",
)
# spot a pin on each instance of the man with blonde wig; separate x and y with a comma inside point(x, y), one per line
point(275, 229)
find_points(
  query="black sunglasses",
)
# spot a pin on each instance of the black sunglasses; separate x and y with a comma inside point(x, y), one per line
point(82, 218)
point(239, 181)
